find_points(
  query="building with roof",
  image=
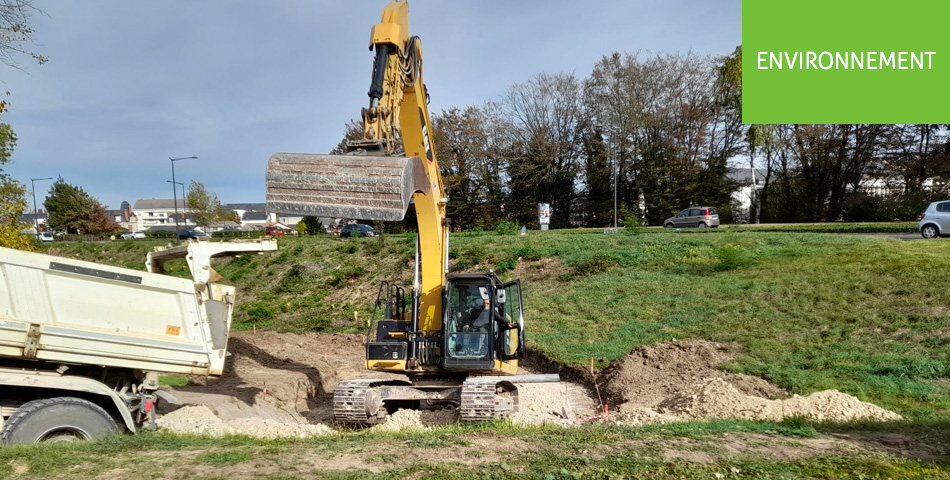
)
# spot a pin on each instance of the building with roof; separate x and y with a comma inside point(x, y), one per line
point(750, 184)
point(124, 216)
point(150, 212)
point(256, 218)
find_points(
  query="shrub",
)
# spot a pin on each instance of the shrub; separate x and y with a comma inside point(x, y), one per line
point(260, 311)
point(504, 265)
point(732, 256)
point(591, 266)
point(292, 281)
point(504, 227)
point(232, 234)
point(633, 224)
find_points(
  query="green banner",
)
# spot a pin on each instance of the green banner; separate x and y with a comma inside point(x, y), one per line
point(843, 61)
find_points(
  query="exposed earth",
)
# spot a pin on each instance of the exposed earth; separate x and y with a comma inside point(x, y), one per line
point(282, 385)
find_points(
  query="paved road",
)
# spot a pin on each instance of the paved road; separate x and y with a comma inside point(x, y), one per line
point(901, 236)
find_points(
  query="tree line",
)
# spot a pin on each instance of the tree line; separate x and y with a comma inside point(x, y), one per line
point(667, 128)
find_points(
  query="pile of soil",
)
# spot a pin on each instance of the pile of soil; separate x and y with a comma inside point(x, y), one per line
point(200, 420)
point(418, 419)
point(650, 374)
point(680, 380)
point(716, 398)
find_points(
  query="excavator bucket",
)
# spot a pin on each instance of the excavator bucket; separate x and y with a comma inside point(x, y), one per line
point(344, 186)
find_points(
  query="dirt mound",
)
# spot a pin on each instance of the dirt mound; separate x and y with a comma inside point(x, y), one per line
point(652, 373)
point(716, 398)
point(200, 420)
point(681, 380)
point(286, 378)
point(539, 403)
point(418, 419)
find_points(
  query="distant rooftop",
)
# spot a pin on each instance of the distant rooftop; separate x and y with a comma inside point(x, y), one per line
point(744, 175)
point(245, 206)
point(157, 203)
point(254, 216)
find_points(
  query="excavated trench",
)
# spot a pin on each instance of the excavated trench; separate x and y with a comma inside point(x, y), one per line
point(282, 385)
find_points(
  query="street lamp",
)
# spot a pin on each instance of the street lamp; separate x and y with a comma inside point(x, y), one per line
point(175, 190)
point(182, 185)
point(36, 223)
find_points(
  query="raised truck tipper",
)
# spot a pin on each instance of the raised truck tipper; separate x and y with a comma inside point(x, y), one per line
point(82, 344)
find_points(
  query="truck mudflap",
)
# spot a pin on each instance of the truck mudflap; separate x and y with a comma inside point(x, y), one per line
point(344, 186)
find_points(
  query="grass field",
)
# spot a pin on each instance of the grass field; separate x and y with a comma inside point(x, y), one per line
point(865, 315)
point(495, 451)
point(868, 316)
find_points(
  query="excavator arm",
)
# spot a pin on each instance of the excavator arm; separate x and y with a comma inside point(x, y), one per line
point(380, 175)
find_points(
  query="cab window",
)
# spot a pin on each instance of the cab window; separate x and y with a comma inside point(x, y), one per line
point(468, 324)
point(512, 315)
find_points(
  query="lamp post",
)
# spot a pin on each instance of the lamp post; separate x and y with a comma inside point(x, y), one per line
point(36, 222)
point(175, 190)
point(182, 185)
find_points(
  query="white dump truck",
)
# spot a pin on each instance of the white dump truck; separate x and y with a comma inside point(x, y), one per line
point(82, 344)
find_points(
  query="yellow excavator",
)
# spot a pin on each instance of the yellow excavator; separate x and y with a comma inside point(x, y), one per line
point(459, 340)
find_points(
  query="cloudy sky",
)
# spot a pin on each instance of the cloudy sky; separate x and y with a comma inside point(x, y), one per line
point(129, 84)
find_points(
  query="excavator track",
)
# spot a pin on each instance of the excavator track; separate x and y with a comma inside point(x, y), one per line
point(355, 402)
point(486, 399)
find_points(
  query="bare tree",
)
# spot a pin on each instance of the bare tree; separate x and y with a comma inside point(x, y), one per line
point(546, 115)
point(16, 36)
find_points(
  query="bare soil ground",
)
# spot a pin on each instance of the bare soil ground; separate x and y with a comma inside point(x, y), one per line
point(681, 380)
point(282, 385)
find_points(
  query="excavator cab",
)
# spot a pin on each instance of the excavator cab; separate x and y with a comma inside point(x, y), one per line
point(483, 322)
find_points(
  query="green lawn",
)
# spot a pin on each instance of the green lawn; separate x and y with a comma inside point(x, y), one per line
point(721, 449)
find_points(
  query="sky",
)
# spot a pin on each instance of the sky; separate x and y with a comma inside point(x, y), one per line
point(130, 84)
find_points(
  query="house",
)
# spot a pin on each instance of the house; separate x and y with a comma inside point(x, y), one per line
point(39, 218)
point(150, 212)
point(123, 216)
point(289, 219)
point(751, 182)
point(255, 218)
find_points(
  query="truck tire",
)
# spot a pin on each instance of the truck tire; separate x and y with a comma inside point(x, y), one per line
point(55, 420)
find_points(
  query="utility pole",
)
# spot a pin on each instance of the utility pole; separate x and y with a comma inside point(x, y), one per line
point(36, 222)
point(175, 189)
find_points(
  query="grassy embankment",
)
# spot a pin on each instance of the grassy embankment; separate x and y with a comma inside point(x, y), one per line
point(865, 315)
point(868, 316)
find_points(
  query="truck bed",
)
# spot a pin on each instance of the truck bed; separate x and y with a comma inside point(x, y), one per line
point(68, 311)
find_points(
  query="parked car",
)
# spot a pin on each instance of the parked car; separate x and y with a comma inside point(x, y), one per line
point(192, 235)
point(935, 221)
point(45, 236)
point(699, 217)
point(357, 230)
point(277, 232)
point(134, 235)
